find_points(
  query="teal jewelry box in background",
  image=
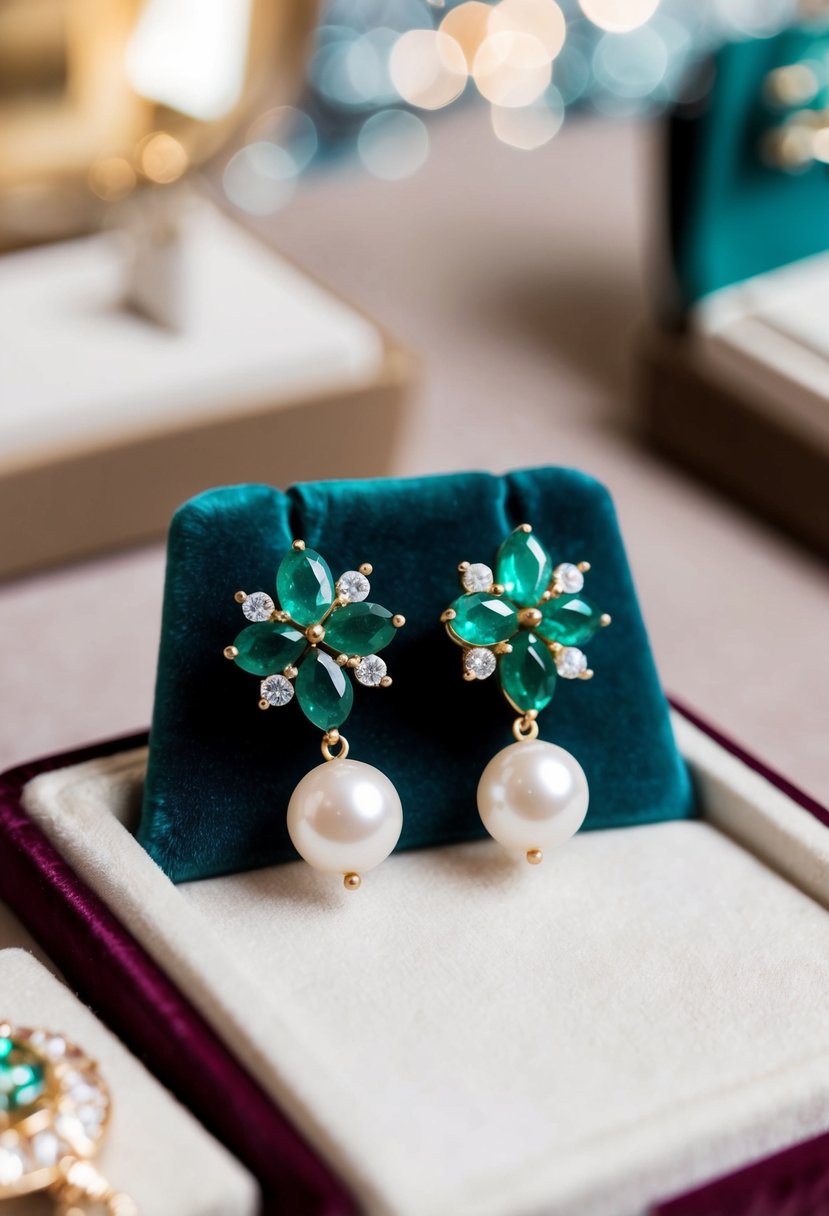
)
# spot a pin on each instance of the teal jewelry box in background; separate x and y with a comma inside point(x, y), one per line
point(221, 773)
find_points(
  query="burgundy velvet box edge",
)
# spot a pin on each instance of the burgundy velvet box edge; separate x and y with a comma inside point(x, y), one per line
point(112, 972)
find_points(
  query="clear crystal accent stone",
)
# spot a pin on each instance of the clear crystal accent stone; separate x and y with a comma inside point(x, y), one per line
point(370, 670)
point(480, 662)
point(45, 1148)
point(258, 606)
point(354, 586)
point(12, 1165)
point(568, 577)
point(276, 690)
point(571, 662)
point(477, 577)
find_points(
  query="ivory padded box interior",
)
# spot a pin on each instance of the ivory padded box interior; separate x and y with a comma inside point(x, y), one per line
point(768, 338)
point(641, 1013)
point(155, 1150)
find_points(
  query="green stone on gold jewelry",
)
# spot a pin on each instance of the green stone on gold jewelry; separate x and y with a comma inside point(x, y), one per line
point(305, 586)
point(360, 628)
point(22, 1077)
point(324, 690)
point(570, 619)
point(483, 619)
point(523, 568)
point(268, 647)
point(528, 673)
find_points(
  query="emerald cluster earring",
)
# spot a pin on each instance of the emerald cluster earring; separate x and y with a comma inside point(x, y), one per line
point(527, 620)
point(344, 816)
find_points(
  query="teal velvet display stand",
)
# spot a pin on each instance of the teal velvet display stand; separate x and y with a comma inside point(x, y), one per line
point(732, 215)
point(221, 772)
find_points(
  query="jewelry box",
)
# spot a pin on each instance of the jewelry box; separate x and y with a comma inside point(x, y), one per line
point(640, 1017)
point(734, 371)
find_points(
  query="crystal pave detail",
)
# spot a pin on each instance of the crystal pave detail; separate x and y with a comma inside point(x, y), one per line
point(258, 606)
point(479, 662)
point(370, 670)
point(354, 586)
point(477, 577)
point(277, 690)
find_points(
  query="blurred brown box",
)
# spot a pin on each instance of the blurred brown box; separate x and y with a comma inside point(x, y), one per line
point(750, 444)
point(324, 399)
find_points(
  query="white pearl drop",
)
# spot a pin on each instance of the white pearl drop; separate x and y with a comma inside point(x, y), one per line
point(345, 817)
point(532, 795)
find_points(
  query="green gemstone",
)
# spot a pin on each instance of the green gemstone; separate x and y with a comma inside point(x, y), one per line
point(359, 628)
point(268, 647)
point(483, 619)
point(570, 619)
point(528, 674)
point(524, 568)
point(324, 690)
point(22, 1077)
point(305, 586)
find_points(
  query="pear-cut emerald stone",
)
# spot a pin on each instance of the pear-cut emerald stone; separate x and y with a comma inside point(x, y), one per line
point(361, 628)
point(523, 568)
point(483, 619)
point(305, 586)
point(22, 1077)
point(570, 619)
point(324, 690)
point(268, 647)
point(528, 674)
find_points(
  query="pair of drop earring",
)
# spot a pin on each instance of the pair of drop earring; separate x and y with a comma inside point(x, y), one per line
point(525, 620)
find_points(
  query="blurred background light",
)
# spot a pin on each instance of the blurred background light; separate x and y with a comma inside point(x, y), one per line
point(383, 59)
point(393, 144)
point(172, 43)
point(428, 68)
point(161, 158)
point(511, 68)
point(542, 19)
point(532, 126)
point(619, 16)
point(260, 178)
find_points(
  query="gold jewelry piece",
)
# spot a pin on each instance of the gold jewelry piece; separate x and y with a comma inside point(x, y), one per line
point(344, 816)
point(54, 1114)
point(527, 620)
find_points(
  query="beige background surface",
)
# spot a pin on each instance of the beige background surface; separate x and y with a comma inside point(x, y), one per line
point(520, 280)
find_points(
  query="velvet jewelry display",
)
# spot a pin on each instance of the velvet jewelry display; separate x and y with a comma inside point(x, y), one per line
point(220, 775)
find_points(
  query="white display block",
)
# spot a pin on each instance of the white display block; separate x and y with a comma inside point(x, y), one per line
point(154, 1151)
point(76, 367)
point(768, 338)
point(467, 1034)
point(109, 421)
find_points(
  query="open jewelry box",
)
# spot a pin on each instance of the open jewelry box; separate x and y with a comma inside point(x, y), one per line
point(735, 371)
point(640, 1016)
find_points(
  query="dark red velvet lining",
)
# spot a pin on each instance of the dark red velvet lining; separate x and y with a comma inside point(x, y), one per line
point(104, 963)
point(115, 976)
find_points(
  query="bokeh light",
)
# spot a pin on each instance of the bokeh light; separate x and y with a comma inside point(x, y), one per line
point(633, 65)
point(393, 144)
point(468, 24)
point(161, 158)
point(619, 16)
point(529, 127)
point(511, 69)
point(541, 19)
point(112, 178)
point(289, 128)
point(428, 68)
point(260, 178)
